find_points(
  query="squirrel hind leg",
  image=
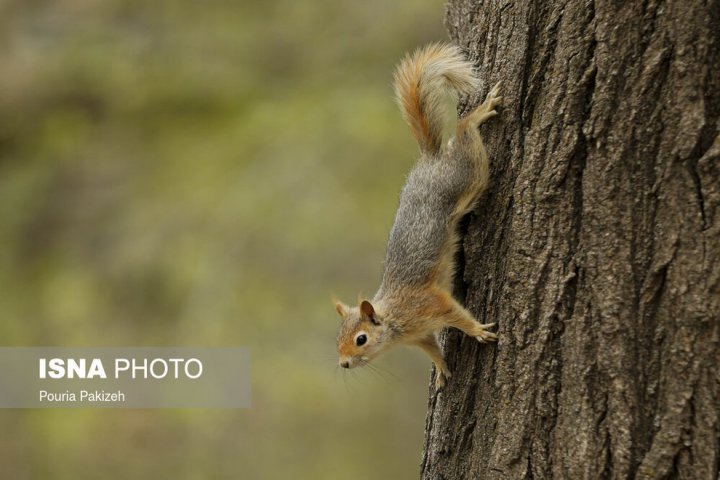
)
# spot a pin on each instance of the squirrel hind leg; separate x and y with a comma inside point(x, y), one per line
point(470, 143)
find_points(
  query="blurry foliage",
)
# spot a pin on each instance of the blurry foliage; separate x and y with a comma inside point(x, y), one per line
point(207, 173)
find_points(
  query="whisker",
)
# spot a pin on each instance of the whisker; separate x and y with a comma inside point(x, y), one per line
point(372, 370)
point(379, 371)
point(349, 387)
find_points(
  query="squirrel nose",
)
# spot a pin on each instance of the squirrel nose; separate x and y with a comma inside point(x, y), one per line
point(345, 364)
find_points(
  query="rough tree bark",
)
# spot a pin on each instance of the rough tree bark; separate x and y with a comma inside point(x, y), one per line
point(596, 249)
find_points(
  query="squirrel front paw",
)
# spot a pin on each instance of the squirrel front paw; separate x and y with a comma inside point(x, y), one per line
point(483, 336)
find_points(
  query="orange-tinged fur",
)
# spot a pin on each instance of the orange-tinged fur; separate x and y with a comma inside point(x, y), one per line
point(409, 97)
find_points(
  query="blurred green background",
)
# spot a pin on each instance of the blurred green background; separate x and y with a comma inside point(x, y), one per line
point(207, 173)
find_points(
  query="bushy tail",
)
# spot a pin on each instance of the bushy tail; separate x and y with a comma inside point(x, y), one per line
point(421, 83)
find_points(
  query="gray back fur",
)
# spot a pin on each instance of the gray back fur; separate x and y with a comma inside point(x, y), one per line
point(424, 218)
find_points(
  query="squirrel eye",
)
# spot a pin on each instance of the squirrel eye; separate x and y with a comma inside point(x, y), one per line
point(360, 340)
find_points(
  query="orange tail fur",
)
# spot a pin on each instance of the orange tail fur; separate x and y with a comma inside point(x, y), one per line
point(421, 82)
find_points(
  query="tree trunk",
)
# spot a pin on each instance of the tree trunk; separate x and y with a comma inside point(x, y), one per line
point(596, 249)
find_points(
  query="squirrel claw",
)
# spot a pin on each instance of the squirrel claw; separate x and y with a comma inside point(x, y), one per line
point(495, 90)
point(440, 378)
point(487, 337)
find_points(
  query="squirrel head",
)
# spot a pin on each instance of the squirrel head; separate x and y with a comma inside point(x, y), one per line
point(362, 334)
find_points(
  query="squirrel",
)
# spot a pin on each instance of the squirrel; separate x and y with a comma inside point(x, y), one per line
point(414, 301)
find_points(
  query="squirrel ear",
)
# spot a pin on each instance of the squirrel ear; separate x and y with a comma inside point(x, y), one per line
point(368, 311)
point(341, 308)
